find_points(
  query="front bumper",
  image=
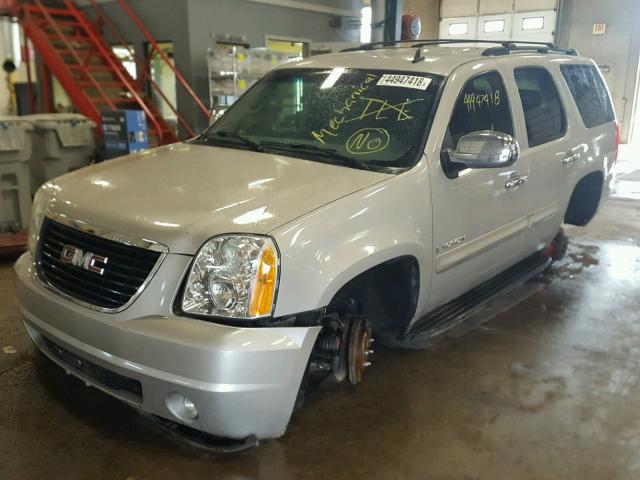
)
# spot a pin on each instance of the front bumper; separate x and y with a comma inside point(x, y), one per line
point(243, 381)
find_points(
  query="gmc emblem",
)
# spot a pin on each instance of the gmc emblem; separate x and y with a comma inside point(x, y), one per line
point(81, 259)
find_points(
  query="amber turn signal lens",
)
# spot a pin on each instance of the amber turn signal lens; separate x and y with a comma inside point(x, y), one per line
point(264, 287)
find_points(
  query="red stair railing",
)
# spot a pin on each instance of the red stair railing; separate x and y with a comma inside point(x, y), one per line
point(72, 51)
point(142, 67)
point(60, 35)
point(115, 66)
point(156, 47)
point(58, 68)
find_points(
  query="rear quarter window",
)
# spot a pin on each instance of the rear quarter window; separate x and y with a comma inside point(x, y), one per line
point(590, 94)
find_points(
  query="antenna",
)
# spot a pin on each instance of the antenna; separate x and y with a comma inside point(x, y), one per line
point(418, 57)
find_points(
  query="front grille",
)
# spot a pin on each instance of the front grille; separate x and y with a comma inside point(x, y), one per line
point(124, 273)
point(124, 386)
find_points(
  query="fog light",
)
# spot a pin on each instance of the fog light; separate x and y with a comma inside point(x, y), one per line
point(181, 407)
point(190, 409)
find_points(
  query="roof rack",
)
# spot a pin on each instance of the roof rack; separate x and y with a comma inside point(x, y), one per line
point(505, 47)
point(527, 47)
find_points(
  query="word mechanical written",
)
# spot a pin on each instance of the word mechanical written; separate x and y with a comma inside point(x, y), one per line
point(374, 107)
point(336, 122)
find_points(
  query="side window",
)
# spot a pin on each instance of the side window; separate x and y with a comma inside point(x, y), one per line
point(543, 113)
point(590, 94)
point(482, 105)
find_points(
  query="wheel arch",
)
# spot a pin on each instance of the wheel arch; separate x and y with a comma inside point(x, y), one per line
point(388, 292)
point(585, 199)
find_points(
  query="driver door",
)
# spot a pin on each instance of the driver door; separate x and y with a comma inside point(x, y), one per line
point(479, 215)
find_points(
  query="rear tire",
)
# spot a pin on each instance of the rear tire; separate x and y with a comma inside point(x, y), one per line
point(557, 249)
point(560, 245)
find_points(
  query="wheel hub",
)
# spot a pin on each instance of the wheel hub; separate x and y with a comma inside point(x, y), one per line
point(358, 355)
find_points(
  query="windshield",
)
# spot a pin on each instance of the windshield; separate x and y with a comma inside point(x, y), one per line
point(369, 119)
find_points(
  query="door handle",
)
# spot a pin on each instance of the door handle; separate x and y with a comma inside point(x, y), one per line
point(515, 180)
point(570, 158)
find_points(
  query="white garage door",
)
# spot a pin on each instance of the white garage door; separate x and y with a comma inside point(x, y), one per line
point(539, 26)
point(459, 27)
point(495, 27)
point(498, 20)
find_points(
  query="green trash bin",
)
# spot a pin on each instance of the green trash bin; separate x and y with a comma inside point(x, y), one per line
point(62, 143)
point(15, 182)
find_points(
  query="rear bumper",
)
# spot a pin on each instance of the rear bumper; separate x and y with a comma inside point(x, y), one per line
point(243, 381)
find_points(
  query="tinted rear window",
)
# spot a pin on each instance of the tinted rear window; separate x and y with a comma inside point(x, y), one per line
point(543, 113)
point(590, 94)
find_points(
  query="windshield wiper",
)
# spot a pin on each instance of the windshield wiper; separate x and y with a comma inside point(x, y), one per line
point(328, 153)
point(236, 136)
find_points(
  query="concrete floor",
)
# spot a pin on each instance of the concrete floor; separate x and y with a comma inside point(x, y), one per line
point(547, 389)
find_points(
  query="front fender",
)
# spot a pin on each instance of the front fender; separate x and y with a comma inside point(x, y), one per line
point(324, 249)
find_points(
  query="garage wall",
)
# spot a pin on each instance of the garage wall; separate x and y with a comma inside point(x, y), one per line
point(255, 20)
point(428, 11)
point(516, 20)
point(617, 50)
point(466, 8)
point(189, 24)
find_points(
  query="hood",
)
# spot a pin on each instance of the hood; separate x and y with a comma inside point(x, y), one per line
point(182, 194)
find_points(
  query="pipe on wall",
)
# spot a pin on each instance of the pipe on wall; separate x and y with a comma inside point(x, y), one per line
point(10, 41)
point(386, 20)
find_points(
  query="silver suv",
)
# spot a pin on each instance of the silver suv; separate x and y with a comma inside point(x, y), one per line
point(382, 192)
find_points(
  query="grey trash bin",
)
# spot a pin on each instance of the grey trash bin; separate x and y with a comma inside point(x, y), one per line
point(15, 183)
point(62, 142)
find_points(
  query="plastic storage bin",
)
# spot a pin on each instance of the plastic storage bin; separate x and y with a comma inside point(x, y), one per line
point(15, 183)
point(61, 143)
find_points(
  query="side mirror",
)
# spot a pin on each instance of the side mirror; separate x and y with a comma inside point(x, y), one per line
point(486, 149)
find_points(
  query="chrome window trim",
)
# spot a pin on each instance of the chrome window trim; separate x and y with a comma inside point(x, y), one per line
point(107, 234)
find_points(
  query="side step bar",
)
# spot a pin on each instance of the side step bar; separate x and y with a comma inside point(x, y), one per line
point(459, 309)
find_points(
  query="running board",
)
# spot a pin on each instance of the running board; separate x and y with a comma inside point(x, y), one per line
point(458, 310)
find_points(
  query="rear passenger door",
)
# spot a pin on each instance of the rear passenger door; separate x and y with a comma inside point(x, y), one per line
point(547, 148)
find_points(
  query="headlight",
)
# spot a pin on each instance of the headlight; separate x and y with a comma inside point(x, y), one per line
point(38, 209)
point(233, 276)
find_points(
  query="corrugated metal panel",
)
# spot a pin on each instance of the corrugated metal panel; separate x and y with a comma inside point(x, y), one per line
point(535, 5)
point(468, 8)
point(458, 8)
point(492, 7)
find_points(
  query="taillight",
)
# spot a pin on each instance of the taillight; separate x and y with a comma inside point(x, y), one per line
point(617, 141)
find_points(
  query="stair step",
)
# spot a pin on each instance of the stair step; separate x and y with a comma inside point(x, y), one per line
point(60, 41)
point(67, 51)
point(99, 100)
point(61, 12)
point(88, 83)
point(70, 61)
point(92, 68)
point(66, 31)
point(61, 24)
point(54, 37)
point(115, 84)
point(67, 24)
point(81, 46)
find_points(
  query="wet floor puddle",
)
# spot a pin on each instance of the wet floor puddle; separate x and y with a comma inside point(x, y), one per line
point(579, 257)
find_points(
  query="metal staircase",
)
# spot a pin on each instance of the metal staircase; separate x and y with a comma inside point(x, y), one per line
point(74, 50)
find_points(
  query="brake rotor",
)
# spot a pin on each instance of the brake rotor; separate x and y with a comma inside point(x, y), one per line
point(360, 341)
